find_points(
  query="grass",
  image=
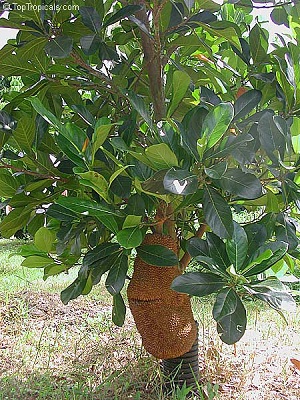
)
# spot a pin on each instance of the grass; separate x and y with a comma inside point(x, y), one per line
point(51, 351)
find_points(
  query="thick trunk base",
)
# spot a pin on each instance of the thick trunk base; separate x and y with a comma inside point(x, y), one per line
point(183, 369)
point(163, 317)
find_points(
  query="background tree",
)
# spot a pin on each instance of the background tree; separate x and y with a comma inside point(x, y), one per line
point(141, 130)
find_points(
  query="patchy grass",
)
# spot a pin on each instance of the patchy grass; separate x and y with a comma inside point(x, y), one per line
point(51, 351)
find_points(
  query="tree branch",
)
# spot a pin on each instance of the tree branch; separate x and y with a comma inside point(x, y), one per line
point(269, 6)
point(186, 258)
point(32, 173)
point(152, 60)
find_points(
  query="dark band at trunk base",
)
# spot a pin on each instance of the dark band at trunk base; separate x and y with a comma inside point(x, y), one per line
point(180, 370)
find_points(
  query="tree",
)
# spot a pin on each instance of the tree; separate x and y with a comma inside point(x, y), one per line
point(141, 131)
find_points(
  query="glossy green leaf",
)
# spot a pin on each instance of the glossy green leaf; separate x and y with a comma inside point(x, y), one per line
point(217, 250)
point(90, 18)
point(59, 47)
point(161, 156)
point(270, 255)
point(217, 213)
point(116, 277)
point(198, 283)
point(14, 221)
point(130, 237)
point(8, 184)
point(44, 239)
point(246, 103)
point(258, 45)
point(131, 221)
point(180, 83)
point(179, 181)
point(230, 315)
point(197, 247)
point(216, 171)
point(217, 122)
point(37, 262)
point(24, 134)
point(237, 246)
point(273, 292)
point(157, 255)
point(118, 310)
point(100, 252)
point(55, 269)
point(123, 13)
point(271, 138)
point(95, 181)
point(241, 184)
point(61, 213)
point(85, 207)
point(139, 105)
point(73, 291)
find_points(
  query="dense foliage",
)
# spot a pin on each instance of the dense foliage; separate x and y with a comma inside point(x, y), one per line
point(155, 115)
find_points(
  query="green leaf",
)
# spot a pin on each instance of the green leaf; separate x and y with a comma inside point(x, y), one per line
point(123, 13)
point(265, 260)
point(217, 213)
point(85, 207)
point(118, 310)
point(59, 47)
point(229, 33)
point(216, 171)
point(61, 213)
point(217, 122)
point(99, 253)
point(258, 45)
point(73, 291)
point(8, 184)
point(241, 184)
point(246, 103)
point(24, 134)
point(130, 237)
point(237, 246)
point(271, 138)
point(279, 16)
point(232, 143)
point(132, 221)
point(155, 254)
point(101, 133)
point(95, 181)
point(201, 147)
point(30, 250)
point(197, 247)
point(37, 262)
point(54, 269)
point(15, 64)
point(180, 84)
point(139, 105)
point(217, 250)
point(161, 156)
point(14, 221)
point(44, 239)
point(116, 277)
point(155, 184)
point(273, 292)
point(198, 283)
point(91, 18)
point(179, 181)
point(230, 315)
point(90, 44)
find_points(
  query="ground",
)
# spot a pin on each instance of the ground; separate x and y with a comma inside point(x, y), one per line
point(52, 351)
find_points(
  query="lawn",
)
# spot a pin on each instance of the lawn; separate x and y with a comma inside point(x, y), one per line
point(51, 351)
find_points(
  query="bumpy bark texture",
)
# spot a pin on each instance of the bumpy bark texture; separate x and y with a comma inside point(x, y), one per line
point(163, 317)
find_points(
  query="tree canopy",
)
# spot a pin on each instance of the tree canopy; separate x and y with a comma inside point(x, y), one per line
point(155, 115)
